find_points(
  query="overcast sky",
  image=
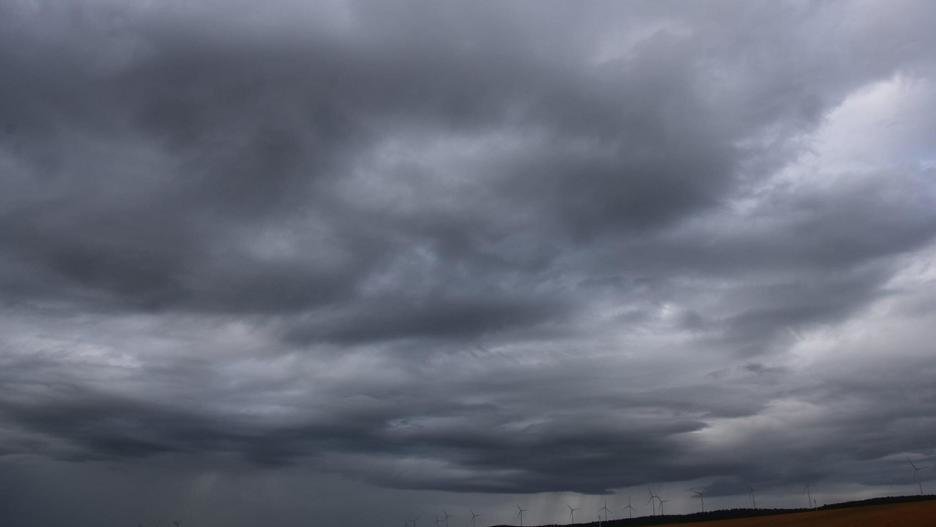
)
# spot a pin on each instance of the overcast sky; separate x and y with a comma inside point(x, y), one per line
point(346, 263)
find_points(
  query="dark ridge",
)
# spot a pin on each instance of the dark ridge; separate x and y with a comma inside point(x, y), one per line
point(731, 514)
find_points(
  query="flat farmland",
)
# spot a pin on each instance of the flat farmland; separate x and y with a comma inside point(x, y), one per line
point(914, 514)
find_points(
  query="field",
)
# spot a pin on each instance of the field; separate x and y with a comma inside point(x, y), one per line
point(916, 514)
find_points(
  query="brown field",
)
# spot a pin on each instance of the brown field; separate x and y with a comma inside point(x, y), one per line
point(919, 514)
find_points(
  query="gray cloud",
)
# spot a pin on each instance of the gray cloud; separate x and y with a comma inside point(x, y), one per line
point(452, 253)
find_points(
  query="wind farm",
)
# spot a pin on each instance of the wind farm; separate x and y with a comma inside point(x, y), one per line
point(902, 511)
point(742, 508)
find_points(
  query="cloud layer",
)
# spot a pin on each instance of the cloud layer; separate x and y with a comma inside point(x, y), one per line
point(503, 250)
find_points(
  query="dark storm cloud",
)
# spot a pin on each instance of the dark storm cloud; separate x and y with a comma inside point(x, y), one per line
point(228, 134)
point(85, 426)
point(462, 247)
point(456, 318)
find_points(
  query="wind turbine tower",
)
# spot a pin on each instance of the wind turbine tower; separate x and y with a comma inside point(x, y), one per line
point(572, 512)
point(605, 510)
point(753, 497)
point(701, 495)
point(629, 509)
point(916, 475)
point(652, 502)
point(474, 517)
point(520, 512)
point(809, 498)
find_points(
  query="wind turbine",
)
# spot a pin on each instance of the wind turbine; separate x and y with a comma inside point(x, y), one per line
point(605, 509)
point(572, 512)
point(520, 512)
point(916, 475)
point(753, 498)
point(701, 495)
point(652, 502)
point(662, 501)
point(629, 509)
point(808, 491)
point(445, 517)
point(474, 516)
point(438, 521)
point(177, 523)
